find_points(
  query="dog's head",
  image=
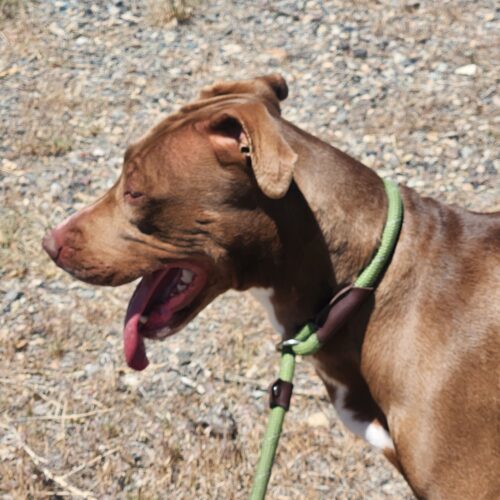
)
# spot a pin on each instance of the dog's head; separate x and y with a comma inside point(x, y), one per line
point(190, 211)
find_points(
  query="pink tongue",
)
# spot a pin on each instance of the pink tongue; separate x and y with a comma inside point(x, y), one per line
point(133, 343)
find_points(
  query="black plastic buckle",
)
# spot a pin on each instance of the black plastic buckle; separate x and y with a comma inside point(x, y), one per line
point(280, 394)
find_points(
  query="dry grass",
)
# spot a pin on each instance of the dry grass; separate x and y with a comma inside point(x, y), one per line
point(9, 9)
point(47, 100)
point(54, 109)
point(55, 105)
point(161, 12)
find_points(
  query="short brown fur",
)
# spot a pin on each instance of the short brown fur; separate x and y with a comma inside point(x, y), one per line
point(302, 218)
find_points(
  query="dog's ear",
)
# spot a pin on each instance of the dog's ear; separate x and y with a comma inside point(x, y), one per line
point(249, 132)
point(270, 87)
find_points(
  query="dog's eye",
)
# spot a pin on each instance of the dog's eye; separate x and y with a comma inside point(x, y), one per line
point(133, 196)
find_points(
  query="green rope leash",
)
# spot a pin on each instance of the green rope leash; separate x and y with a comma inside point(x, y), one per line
point(306, 342)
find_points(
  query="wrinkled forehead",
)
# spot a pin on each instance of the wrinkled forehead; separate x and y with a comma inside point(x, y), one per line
point(197, 111)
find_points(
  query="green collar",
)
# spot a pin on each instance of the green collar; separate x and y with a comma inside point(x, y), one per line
point(311, 338)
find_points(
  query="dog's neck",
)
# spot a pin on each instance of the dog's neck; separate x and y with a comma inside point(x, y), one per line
point(329, 224)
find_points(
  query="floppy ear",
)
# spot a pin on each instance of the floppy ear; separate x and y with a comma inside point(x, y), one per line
point(272, 88)
point(250, 131)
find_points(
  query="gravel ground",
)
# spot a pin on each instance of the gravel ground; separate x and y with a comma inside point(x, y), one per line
point(407, 87)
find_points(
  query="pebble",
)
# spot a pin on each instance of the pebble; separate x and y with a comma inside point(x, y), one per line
point(92, 368)
point(82, 40)
point(188, 382)
point(232, 48)
point(467, 70)
point(130, 380)
point(56, 190)
point(57, 30)
point(360, 53)
point(318, 419)
point(98, 152)
point(277, 53)
point(169, 37)
point(10, 298)
point(219, 422)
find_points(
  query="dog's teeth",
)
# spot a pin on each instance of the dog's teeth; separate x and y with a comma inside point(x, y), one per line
point(187, 276)
point(164, 332)
point(181, 287)
point(143, 320)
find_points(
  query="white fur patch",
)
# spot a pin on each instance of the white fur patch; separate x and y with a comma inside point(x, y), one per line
point(263, 295)
point(377, 436)
point(370, 431)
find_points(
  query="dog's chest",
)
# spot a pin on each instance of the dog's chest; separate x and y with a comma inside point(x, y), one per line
point(367, 428)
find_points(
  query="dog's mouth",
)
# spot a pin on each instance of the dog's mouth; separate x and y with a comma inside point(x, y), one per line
point(161, 303)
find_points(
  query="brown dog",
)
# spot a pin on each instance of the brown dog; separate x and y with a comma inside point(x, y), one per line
point(226, 194)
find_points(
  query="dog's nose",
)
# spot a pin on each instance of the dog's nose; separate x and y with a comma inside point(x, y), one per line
point(51, 245)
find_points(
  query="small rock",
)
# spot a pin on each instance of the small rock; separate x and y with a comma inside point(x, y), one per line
point(12, 296)
point(20, 344)
point(40, 409)
point(81, 40)
point(8, 165)
point(466, 152)
point(467, 70)
point(398, 58)
point(127, 16)
point(258, 393)
point(113, 10)
point(91, 368)
point(232, 48)
point(184, 357)
point(131, 380)
point(277, 53)
point(56, 30)
point(219, 423)
point(56, 190)
point(98, 152)
point(341, 117)
point(318, 419)
point(442, 67)
point(188, 382)
point(170, 37)
point(10, 299)
point(360, 53)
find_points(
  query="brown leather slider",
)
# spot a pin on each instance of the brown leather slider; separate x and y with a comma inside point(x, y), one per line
point(280, 394)
point(341, 311)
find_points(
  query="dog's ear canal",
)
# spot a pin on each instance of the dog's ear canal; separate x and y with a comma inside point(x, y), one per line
point(250, 131)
